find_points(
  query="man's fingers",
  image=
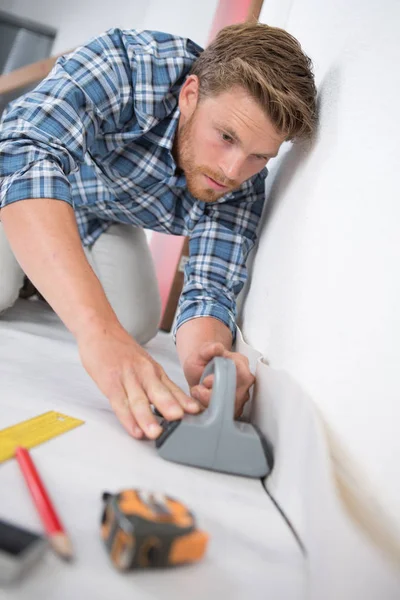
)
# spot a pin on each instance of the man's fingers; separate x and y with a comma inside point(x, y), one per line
point(242, 367)
point(141, 410)
point(202, 394)
point(208, 351)
point(140, 407)
point(187, 403)
point(160, 395)
point(240, 404)
point(243, 373)
point(208, 381)
point(120, 406)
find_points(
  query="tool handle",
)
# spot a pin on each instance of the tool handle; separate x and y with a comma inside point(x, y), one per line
point(223, 395)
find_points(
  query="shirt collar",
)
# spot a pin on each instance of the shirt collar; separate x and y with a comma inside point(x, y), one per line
point(162, 133)
point(167, 140)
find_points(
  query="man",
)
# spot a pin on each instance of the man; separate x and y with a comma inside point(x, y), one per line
point(146, 130)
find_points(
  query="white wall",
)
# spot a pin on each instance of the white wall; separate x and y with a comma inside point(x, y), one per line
point(78, 20)
point(182, 17)
point(325, 294)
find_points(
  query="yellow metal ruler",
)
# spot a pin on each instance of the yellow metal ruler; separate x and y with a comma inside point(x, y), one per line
point(34, 431)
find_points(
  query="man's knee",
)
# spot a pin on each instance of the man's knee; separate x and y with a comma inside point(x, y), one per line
point(8, 295)
point(122, 261)
point(11, 274)
point(141, 322)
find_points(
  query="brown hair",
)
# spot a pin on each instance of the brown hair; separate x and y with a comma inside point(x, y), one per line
point(270, 64)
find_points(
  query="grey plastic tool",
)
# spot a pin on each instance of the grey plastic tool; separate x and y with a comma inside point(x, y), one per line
point(213, 439)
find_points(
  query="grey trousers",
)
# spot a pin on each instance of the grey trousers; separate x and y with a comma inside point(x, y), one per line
point(122, 261)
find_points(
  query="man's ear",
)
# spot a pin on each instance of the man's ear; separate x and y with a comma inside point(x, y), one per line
point(189, 96)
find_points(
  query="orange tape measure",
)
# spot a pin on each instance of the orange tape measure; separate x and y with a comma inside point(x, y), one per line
point(143, 530)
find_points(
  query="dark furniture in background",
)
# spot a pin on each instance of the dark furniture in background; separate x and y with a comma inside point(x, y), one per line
point(22, 42)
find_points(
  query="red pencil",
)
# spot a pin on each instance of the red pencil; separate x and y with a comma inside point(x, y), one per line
point(52, 524)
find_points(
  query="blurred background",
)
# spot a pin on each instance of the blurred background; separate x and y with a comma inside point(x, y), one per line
point(31, 31)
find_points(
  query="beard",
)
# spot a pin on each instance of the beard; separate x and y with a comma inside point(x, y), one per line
point(196, 183)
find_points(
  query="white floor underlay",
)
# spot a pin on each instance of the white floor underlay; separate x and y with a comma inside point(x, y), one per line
point(252, 552)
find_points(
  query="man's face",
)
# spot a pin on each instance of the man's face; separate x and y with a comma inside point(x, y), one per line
point(222, 141)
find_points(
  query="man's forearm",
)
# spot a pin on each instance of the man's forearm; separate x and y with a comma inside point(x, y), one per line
point(195, 332)
point(44, 238)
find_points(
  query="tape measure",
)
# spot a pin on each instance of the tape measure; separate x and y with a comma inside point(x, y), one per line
point(142, 529)
point(35, 431)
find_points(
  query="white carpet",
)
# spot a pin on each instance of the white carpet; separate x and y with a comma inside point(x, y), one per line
point(252, 553)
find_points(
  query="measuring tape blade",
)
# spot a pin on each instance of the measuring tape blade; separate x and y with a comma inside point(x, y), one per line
point(35, 431)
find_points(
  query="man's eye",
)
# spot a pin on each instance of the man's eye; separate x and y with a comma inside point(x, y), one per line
point(226, 137)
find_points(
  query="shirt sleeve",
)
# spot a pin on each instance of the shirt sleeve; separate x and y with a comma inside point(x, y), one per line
point(218, 249)
point(45, 134)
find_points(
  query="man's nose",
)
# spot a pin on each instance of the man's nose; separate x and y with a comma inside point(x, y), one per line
point(232, 165)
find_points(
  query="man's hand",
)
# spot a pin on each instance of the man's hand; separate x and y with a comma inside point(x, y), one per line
point(131, 380)
point(197, 361)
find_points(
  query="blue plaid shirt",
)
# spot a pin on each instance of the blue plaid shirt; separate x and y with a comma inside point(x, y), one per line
point(98, 133)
